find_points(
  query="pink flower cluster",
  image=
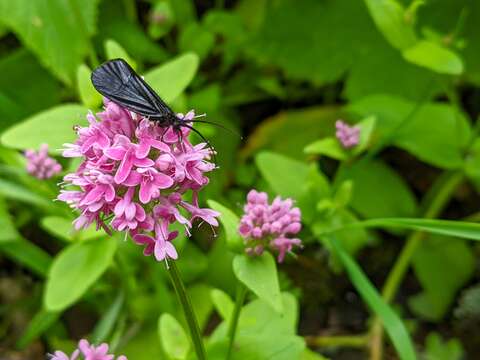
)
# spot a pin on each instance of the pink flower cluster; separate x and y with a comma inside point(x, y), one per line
point(40, 165)
point(267, 225)
point(349, 136)
point(135, 177)
point(89, 352)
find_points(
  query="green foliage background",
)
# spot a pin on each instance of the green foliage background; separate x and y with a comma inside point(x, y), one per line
point(280, 72)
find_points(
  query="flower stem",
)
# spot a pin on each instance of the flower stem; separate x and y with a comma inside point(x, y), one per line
point(439, 199)
point(232, 327)
point(188, 311)
point(353, 341)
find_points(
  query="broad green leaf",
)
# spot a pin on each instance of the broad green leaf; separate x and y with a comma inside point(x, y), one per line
point(51, 29)
point(174, 340)
point(443, 265)
point(259, 274)
point(366, 131)
point(328, 146)
point(63, 229)
point(75, 269)
point(389, 16)
point(378, 191)
point(24, 72)
point(223, 303)
point(437, 349)
point(144, 345)
point(461, 229)
point(8, 231)
point(197, 39)
point(391, 321)
point(114, 50)
point(171, 79)
point(405, 124)
point(90, 97)
point(310, 355)
point(53, 127)
point(107, 322)
point(434, 57)
point(230, 222)
point(14, 191)
point(284, 175)
point(27, 254)
point(202, 303)
point(40, 323)
point(288, 133)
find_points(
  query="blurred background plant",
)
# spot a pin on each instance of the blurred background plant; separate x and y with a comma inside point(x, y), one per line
point(405, 74)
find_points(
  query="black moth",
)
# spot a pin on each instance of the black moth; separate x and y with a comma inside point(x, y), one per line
point(118, 82)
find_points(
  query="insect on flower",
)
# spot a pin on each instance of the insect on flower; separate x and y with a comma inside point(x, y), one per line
point(118, 82)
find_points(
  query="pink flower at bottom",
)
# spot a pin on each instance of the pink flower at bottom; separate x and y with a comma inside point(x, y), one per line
point(88, 352)
point(40, 165)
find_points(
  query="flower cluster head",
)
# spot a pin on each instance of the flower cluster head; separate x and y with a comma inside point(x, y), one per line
point(135, 177)
point(265, 225)
point(349, 136)
point(89, 352)
point(40, 165)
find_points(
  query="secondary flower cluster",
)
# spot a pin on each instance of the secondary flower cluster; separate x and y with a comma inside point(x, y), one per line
point(265, 225)
point(89, 352)
point(349, 136)
point(135, 176)
point(40, 165)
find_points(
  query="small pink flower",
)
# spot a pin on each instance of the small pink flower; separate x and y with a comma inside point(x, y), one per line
point(60, 355)
point(265, 225)
point(136, 176)
point(349, 136)
point(40, 165)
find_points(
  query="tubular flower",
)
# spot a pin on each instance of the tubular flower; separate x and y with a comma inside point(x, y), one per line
point(135, 176)
point(265, 225)
point(349, 136)
point(40, 165)
point(88, 351)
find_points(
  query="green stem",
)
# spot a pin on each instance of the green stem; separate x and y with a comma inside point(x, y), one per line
point(188, 311)
point(353, 341)
point(232, 327)
point(82, 27)
point(439, 197)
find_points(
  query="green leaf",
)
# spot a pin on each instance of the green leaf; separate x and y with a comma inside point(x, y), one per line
point(328, 146)
point(389, 16)
point(378, 191)
point(173, 337)
point(259, 274)
point(443, 147)
point(197, 39)
point(171, 79)
point(284, 175)
point(80, 264)
point(40, 323)
point(50, 28)
point(223, 303)
point(461, 229)
point(62, 228)
point(8, 232)
point(107, 322)
point(13, 191)
point(90, 97)
point(443, 265)
point(230, 222)
point(391, 321)
point(27, 254)
point(434, 57)
point(367, 126)
point(437, 349)
point(114, 50)
point(310, 355)
point(24, 72)
point(53, 127)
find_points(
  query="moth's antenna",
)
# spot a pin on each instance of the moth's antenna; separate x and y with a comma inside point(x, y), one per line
point(215, 124)
point(212, 150)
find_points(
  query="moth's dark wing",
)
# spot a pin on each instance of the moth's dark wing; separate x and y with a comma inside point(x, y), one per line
point(117, 81)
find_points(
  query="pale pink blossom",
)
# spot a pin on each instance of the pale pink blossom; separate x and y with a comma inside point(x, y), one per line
point(87, 351)
point(349, 136)
point(40, 165)
point(269, 226)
